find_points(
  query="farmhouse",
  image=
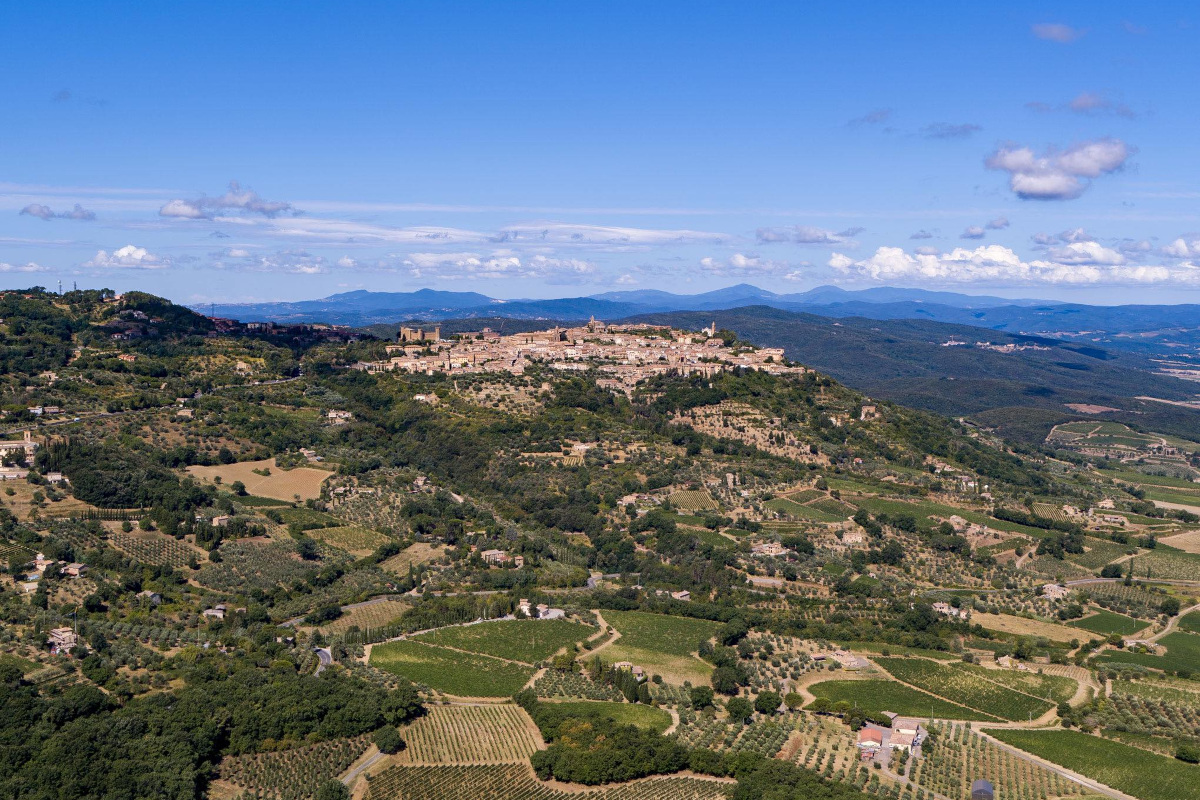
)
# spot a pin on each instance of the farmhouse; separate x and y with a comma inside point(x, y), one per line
point(216, 612)
point(768, 549)
point(75, 570)
point(637, 671)
point(950, 611)
point(499, 558)
point(1054, 591)
point(62, 640)
point(870, 741)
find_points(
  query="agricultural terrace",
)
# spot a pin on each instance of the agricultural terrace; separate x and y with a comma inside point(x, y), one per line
point(876, 696)
point(1127, 769)
point(524, 640)
point(517, 782)
point(969, 687)
point(483, 734)
point(660, 644)
point(643, 716)
point(451, 671)
point(278, 484)
point(1106, 622)
point(961, 756)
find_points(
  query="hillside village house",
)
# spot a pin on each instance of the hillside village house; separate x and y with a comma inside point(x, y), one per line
point(1054, 591)
point(62, 641)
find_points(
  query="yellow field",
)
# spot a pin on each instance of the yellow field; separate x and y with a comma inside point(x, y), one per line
point(302, 482)
point(417, 553)
point(372, 615)
point(487, 734)
point(1189, 542)
point(1020, 626)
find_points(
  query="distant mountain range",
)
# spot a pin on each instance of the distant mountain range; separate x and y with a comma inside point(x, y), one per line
point(1151, 329)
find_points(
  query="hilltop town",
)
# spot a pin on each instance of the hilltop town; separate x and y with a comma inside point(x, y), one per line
point(628, 354)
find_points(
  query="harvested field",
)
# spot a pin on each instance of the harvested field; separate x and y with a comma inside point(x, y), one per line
point(279, 485)
point(1007, 623)
point(1188, 542)
point(411, 556)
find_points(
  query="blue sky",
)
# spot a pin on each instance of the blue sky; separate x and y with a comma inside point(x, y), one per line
point(232, 151)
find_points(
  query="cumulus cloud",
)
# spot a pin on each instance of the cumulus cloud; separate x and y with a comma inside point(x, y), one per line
point(805, 234)
point(346, 262)
point(1059, 174)
point(1086, 253)
point(1183, 247)
point(1069, 235)
point(127, 257)
point(26, 267)
point(627, 280)
point(235, 199)
point(998, 224)
point(947, 130)
point(1056, 32)
point(1077, 263)
point(45, 212)
point(922, 234)
point(741, 264)
point(972, 232)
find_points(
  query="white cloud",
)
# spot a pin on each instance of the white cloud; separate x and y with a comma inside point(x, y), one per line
point(127, 257)
point(1056, 32)
point(1182, 248)
point(582, 234)
point(998, 224)
point(235, 198)
point(1074, 264)
point(27, 267)
point(973, 232)
point(45, 212)
point(500, 264)
point(805, 234)
point(1059, 175)
point(627, 280)
point(1092, 253)
point(741, 264)
point(346, 262)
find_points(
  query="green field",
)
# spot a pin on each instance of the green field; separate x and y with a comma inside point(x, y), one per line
point(660, 644)
point(1167, 562)
point(645, 717)
point(965, 686)
point(877, 696)
point(1099, 552)
point(1183, 652)
point(926, 512)
point(1190, 622)
point(1106, 622)
point(1058, 688)
point(526, 640)
point(1128, 769)
point(450, 671)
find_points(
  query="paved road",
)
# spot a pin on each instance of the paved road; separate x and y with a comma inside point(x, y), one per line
point(350, 777)
point(324, 657)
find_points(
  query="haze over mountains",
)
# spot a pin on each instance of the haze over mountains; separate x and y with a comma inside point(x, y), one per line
point(1126, 326)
